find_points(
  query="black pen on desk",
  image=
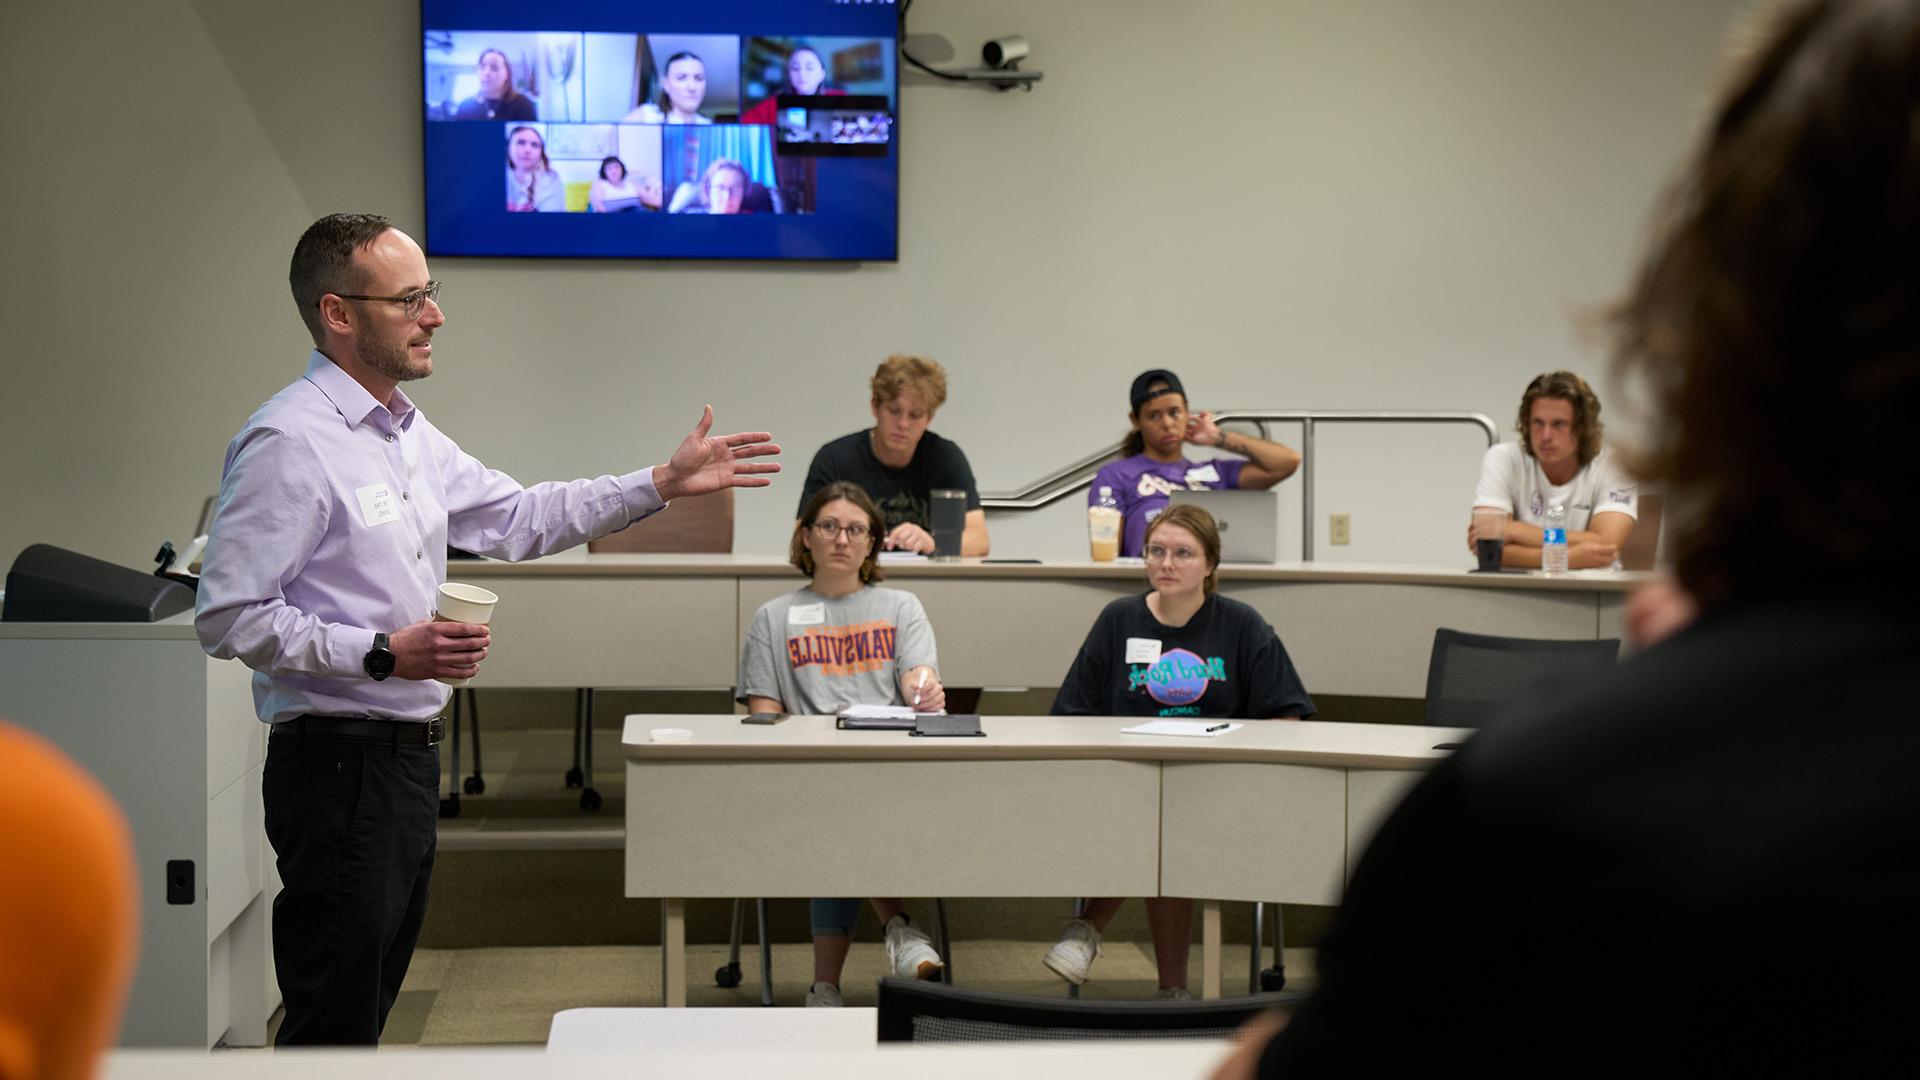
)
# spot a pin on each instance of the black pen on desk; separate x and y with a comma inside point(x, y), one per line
point(1219, 727)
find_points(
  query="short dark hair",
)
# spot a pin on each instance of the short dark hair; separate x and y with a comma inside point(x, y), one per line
point(1198, 522)
point(1779, 291)
point(323, 262)
point(1572, 389)
point(604, 162)
point(802, 559)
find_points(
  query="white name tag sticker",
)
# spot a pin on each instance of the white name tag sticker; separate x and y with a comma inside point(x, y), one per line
point(1204, 474)
point(806, 614)
point(377, 505)
point(1142, 650)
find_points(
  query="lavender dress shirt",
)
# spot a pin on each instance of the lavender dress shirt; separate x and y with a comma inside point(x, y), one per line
point(333, 523)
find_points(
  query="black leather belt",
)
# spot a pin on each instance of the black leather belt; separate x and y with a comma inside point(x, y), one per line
point(394, 732)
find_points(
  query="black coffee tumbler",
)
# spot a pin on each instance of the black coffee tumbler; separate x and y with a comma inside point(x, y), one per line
point(949, 521)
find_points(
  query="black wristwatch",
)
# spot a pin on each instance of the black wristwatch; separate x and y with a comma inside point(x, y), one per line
point(379, 662)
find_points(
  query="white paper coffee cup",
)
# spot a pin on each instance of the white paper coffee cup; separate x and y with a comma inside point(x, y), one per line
point(463, 603)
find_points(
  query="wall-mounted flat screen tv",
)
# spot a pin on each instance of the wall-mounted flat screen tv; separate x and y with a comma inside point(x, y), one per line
point(724, 129)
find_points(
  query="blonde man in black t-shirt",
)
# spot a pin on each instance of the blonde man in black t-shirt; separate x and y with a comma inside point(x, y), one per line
point(900, 463)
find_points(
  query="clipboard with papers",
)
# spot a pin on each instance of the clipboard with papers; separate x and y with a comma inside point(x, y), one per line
point(903, 718)
point(876, 718)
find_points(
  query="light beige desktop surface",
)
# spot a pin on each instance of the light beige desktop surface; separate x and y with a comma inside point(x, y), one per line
point(577, 562)
point(1310, 742)
point(677, 621)
point(1041, 806)
point(1119, 1060)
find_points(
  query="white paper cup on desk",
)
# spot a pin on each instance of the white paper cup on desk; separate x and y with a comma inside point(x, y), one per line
point(464, 603)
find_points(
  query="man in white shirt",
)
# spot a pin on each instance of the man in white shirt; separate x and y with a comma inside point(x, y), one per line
point(1559, 461)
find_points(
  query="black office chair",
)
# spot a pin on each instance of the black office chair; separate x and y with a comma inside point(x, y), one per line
point(464, 704)
point(1473, 676)
point(727, 976)
point(913, 1011)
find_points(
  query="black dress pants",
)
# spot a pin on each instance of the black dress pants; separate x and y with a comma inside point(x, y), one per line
point(351, 821)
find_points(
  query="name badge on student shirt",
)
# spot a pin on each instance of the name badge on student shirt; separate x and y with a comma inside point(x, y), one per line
point(377, 506)
point(806, 614)
point(1204, 474)
point(1142, 650)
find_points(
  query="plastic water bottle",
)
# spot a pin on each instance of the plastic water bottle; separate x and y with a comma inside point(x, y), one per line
point(1553, 542)
point(1103, 526)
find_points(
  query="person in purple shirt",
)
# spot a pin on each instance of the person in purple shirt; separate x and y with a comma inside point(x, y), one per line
point(337, 502)
point(1155, 467)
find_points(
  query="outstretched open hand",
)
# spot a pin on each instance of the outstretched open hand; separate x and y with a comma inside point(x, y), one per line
point(704, 464)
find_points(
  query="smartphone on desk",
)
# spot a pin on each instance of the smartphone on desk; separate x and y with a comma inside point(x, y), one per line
point(763, 718)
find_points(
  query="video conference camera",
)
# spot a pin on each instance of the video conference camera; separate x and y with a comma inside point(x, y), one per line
point(1002, 57)
point(1004, 52)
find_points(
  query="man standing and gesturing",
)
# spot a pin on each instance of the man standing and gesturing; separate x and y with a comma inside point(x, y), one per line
point(337, 502)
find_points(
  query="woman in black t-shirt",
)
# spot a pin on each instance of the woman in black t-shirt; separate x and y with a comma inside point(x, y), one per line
point(1179, 650)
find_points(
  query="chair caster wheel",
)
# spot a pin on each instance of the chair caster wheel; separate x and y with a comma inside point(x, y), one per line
point(727, 977)
point(474, 785)
point(450, 806)
point(1273, 980)
point(589, 799)
point(575, 777)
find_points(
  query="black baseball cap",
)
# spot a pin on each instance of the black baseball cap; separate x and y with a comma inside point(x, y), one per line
point(1141, 394)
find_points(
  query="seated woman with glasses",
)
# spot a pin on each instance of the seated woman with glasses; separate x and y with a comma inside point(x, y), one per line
point(1177, 651)
point(840, 641)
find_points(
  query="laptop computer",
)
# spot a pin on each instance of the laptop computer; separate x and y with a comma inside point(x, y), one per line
point(1249, 522)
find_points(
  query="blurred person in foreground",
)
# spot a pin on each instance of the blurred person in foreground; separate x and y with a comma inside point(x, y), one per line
point(69, 913)
point(1614, 879)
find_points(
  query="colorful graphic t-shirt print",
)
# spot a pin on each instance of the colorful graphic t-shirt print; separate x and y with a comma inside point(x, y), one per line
point(842, 650)
point(1179, 677)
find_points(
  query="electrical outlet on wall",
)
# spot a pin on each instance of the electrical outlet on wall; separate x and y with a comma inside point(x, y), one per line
point(1339, 529)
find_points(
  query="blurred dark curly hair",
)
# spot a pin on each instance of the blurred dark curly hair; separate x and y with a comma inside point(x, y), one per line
point(1775, 321)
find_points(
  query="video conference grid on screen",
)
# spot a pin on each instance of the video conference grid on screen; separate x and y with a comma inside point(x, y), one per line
point(737, 142)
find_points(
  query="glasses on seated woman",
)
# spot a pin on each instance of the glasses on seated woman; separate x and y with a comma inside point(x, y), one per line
point(1161, 553)
point(827, 529)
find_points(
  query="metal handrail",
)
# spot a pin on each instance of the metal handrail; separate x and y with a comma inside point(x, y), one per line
point(1063, 482)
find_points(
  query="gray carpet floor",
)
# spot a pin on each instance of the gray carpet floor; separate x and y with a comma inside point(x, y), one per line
point(506, 996)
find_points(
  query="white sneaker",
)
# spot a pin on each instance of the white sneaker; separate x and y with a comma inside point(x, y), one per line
point(824, 996)
point(1172, 993)
point(1073, 954)
point(910, 953)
